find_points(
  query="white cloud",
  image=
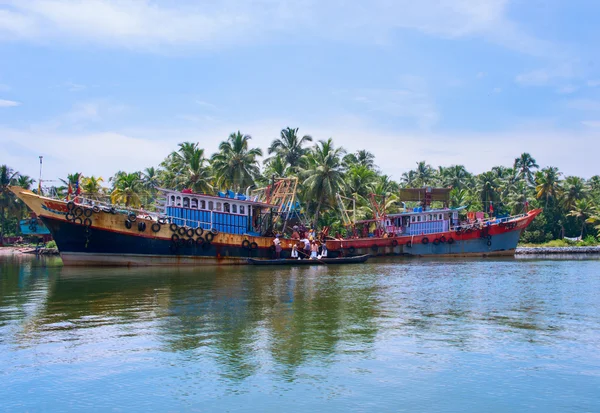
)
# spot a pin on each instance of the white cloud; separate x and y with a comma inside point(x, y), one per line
point(565, 90)
point(591, 123)
point(205, 104)
point(584, 105)
point(147, 25)
point(410, 99)
point(74, 87)
point(396, 151)
point(8, 103)
point(543, 77)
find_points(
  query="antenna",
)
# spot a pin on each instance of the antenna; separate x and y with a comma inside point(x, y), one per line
point(40, 180)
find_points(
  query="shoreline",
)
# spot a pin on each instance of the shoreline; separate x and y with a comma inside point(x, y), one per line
point(11, 250)
point(556, 250)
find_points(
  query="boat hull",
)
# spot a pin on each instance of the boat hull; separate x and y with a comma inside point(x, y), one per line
point(499, 239)
point(101, 238)
point(105, 247)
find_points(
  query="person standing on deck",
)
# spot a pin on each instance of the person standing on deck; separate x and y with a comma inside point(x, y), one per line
point(277, 244)
point(295, 251)
point(314, 250)
point(324, 250)
point(306, 247)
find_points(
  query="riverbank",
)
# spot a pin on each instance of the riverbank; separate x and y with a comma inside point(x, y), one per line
point(27, 249)
point(556, 250)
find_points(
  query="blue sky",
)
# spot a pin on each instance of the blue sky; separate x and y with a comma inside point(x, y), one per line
point(100, 85)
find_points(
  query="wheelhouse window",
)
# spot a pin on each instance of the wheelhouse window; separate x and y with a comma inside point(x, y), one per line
point(242, 209)
point(172, 200)
point(219, 206)
point(210, 205)
point(226, 207)
point(419, 218)
point(234, 208)
point(194, 203)
point(202, 204)
point(178, 201)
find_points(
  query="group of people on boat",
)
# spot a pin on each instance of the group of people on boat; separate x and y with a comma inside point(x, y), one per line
point(303, 248)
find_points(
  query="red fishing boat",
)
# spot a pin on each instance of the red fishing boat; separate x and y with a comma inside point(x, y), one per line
point(428, 231)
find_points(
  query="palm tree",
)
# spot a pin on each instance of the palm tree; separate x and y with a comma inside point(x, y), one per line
point(515, 196)
point(185, 168)
point(235, 164)
point(276, 166)
point(424, 174)
point(128, 189)
point(289, 147)
point(582, 209)
point(91, 186)
point(458, 197)
point(524, 166)
point(323, 177)
point(72, 181)
point(594, 184)
point(150, 178)
point(8, 177)
point(455, 176)
point(488, 184)
point(409, 179)
point(361, 157)
point(574, 189)
point(547, 183)
point(358, 179)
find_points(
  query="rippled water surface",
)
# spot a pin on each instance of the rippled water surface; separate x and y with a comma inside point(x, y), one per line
point(476, 335)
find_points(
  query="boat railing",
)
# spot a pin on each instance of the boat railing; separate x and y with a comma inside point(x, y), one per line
point(478, 224)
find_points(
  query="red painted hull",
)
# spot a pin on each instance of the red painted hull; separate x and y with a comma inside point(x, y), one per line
point(495, 239)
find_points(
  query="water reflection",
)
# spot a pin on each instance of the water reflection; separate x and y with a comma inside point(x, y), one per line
point(457, 335)
point(239, 317)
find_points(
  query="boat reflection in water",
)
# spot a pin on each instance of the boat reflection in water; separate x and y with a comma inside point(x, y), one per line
point(235, 316)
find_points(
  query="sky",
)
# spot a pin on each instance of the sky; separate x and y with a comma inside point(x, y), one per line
point(97, 86)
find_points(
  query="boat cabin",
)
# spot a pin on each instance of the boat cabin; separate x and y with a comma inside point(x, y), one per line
point(419, 221)
point(226, 212)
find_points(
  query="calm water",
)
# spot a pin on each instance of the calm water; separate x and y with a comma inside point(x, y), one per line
point(415, 335)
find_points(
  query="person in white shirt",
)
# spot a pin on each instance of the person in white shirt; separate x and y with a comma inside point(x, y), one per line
point(295, 251)
point(324, 251)
point(277, 244)
point(306, 247)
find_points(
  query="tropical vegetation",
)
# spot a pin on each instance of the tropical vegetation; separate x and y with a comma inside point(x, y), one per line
point(324, 169)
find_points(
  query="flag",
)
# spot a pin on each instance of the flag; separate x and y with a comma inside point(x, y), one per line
point(69, 192)
point(77, 188)
point(491, 208)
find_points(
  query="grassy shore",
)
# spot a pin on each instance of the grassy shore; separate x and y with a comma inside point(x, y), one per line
point(558, 243)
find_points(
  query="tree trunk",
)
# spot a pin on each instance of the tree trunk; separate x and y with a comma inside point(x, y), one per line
point(582, 228)
point(317, 212)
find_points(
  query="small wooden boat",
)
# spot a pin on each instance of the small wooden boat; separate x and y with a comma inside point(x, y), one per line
point(323, 261)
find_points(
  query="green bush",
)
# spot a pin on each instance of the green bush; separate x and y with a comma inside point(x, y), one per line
point(51, 244)
point(589, 241)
